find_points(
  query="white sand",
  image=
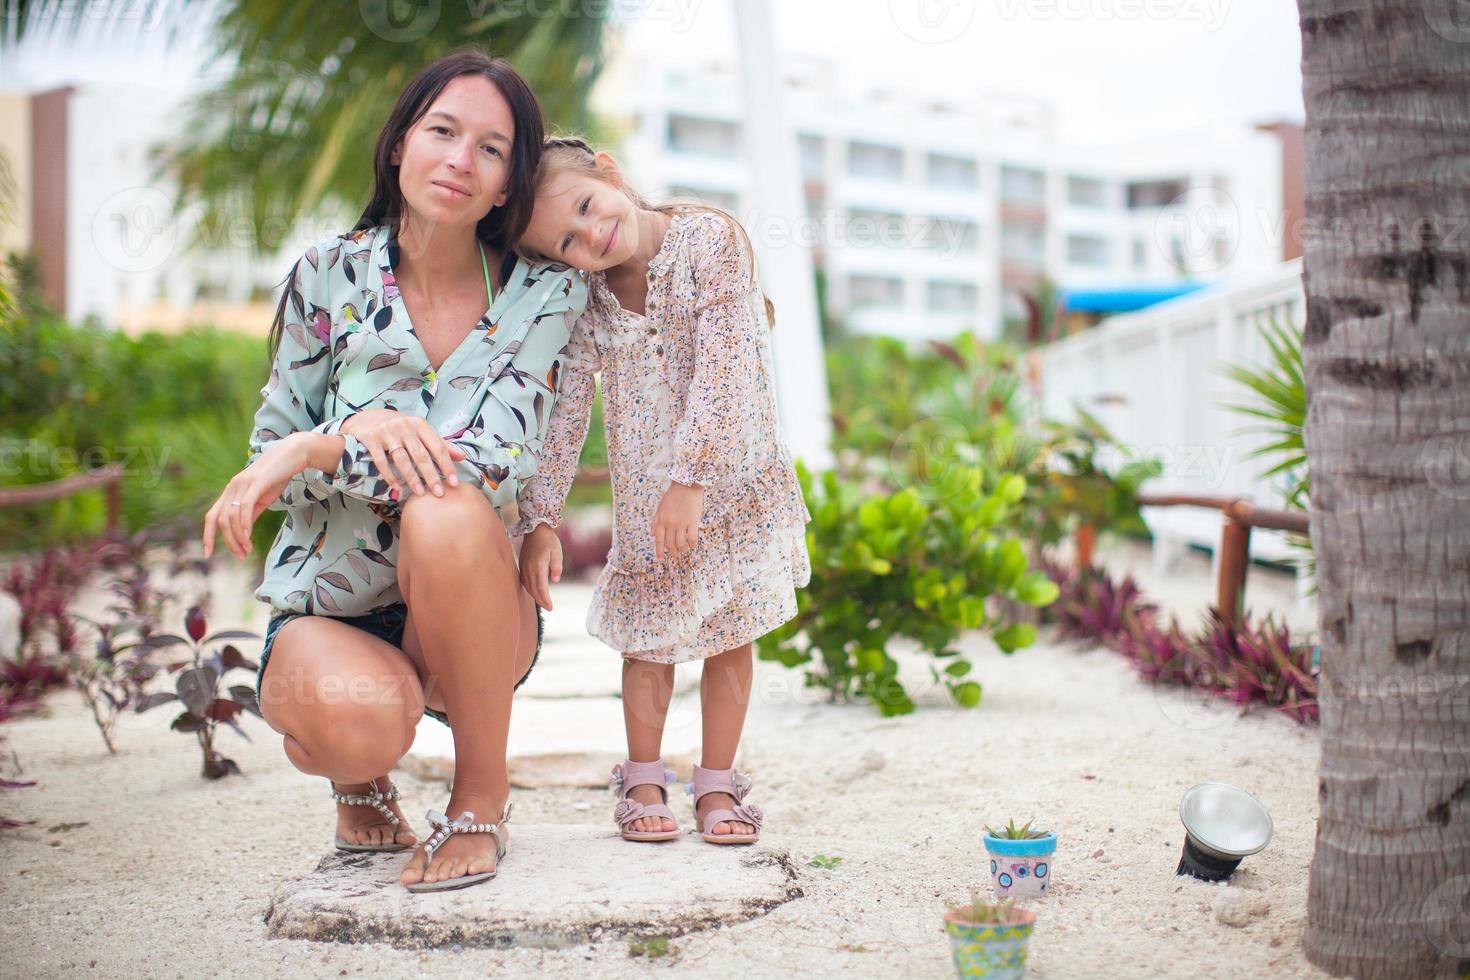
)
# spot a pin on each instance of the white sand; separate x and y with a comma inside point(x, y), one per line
point(172, 875)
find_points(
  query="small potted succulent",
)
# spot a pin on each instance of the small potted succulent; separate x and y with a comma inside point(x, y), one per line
point(1021, 859)
point(988, 939)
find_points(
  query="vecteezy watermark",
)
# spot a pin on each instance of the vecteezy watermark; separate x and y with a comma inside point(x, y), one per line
point(1210, 13)
point(1198, 231)
point(405, 21)
point(150, 13)
point(932, 21)
point(1450, 19)
point(1447, 915)
point(399, 21)
point(1395, 688)
point(1447, 460)
point(33, 459)
point(835, 228)
point(134, 230)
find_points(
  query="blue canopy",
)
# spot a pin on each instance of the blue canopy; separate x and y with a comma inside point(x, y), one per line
point(1124, 299)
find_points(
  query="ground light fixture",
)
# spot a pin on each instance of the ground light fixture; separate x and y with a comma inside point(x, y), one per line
point(1223, 824)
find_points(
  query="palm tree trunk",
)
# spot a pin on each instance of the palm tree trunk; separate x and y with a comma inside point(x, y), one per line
point(1387, 358)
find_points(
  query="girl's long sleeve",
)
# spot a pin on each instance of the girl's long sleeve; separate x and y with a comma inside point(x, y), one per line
point(544, 494)
point(728, 335)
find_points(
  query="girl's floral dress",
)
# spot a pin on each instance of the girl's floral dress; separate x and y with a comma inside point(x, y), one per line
point(347, 346)
point(689, 397)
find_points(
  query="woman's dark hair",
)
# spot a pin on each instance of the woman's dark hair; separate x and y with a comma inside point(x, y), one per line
point(502, 226)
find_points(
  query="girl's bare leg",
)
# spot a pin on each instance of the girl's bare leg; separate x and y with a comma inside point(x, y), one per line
point(647, 689)
point(724, 694)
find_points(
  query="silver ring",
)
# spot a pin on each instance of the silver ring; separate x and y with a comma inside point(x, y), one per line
point(396, 448)
point(236, 503)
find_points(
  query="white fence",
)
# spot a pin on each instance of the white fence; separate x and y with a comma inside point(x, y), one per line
point(1155, 378)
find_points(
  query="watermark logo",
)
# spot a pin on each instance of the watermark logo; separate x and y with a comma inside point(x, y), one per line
point(399, 21)
point(1446, 458)
point(1198, 230)
point(932, 21)
point(134, 229)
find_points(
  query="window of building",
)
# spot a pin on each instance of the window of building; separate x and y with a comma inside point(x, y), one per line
point(952, 297)
point(1087, 250)
point(951, 236)
point(1155, 193)
point(1022, 185)
point(1022, 244)
point(727, 200)
point(812, 150)
point(703, 137)
point(868, 227)
point(875, 161)
point(959, 173)
point(874, 291)
point(1086, 192)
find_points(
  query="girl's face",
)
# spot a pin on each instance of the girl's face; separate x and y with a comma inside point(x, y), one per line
point(453, 164)
point(583, 221)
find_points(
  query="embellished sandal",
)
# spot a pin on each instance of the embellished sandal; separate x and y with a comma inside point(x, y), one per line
point(463, 824)
point(378, 801)
point(625, 776)
point(737, 784)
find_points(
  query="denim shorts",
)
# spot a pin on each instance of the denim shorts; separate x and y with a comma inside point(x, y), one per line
point(386, 624)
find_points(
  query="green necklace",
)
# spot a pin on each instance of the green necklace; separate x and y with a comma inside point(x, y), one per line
point(489, 293)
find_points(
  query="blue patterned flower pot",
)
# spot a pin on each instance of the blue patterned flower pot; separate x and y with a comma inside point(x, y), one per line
point(992, 950)
point(1021, 868)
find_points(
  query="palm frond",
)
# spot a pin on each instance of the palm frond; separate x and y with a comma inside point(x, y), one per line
point(289, 133)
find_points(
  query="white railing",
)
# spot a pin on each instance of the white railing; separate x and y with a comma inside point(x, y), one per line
point(1155, 378)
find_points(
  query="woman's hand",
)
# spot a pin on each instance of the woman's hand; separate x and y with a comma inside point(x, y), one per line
point(676, 522)
point(252, 490)
point(406, 449)
point(540, 563)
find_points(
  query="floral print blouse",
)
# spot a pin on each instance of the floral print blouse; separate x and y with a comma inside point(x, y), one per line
point(347, 346)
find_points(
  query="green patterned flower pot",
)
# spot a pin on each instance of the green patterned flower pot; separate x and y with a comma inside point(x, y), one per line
point(991, 949)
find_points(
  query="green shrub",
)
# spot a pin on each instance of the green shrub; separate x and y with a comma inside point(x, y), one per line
point(889, 565)
point(174, 409)
point(904, 413)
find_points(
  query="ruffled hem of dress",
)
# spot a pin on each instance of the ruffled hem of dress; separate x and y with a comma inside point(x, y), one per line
point(756, 536)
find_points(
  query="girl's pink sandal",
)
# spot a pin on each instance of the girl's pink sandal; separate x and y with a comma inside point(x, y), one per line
point(737, 784)
point(625, 776)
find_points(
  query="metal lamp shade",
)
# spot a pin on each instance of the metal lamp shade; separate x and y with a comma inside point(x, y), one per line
point(1223, 824)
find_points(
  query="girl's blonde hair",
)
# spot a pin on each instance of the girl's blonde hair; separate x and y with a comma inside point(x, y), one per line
point(574, 155)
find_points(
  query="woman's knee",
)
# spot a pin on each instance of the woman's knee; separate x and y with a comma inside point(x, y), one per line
point(461, 521)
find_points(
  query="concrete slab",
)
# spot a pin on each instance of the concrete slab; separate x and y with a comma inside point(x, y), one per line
point(561, 885)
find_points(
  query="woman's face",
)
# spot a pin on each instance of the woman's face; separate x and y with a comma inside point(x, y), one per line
point(453, 164)
point(584, 222)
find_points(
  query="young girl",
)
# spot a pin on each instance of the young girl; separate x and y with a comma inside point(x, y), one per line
point(709, 544)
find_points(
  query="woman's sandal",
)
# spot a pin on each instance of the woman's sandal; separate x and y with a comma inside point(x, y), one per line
point(737, 784)
point(464, 824)
point(625, 776)
point(378, 801)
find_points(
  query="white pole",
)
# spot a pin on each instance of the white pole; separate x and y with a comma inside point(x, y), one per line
point(774, 206)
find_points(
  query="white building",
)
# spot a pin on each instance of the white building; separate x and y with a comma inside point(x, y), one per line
point(932, 217)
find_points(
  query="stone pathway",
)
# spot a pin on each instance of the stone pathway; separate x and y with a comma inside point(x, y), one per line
point(565, 884)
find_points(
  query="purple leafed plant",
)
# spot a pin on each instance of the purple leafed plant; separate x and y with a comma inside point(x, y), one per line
point(198, 688)
point(1251, 664)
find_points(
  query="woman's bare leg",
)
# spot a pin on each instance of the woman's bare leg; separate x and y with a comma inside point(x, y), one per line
point(724, 694)
point(346, 704)
point(458, 575)
point(647, 689)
